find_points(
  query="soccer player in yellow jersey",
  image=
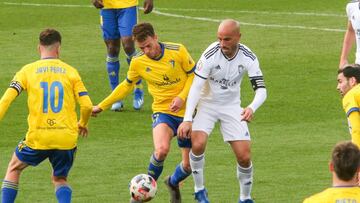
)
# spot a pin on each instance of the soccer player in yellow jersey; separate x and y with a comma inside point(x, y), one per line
point(53, 89)
point(348, 86)
point(118, 17)
point(344, 166)
point(168, 70)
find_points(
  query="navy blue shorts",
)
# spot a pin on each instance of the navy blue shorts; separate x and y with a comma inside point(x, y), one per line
point(61, 160)
point(116, 23)
point(173, 122)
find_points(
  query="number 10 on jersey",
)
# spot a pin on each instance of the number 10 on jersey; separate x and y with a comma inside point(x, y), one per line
point(55, 106)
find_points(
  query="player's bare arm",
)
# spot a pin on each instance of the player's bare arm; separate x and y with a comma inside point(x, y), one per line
point(97, 3)
point(349, 40)
point(148, 6)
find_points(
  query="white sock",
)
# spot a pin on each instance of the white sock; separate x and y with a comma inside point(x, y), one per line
point(245, 177)
point(197, 166)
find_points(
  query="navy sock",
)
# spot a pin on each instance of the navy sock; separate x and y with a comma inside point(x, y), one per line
point(179, 175)
point(8, 191)
point(113, 67)
point(155, 167)
point(63, 194)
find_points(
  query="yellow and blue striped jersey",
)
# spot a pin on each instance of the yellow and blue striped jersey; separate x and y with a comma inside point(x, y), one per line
point(115, 4)
point(336, 195)
point(167, 77)
point(53, 88)
point(351, 105)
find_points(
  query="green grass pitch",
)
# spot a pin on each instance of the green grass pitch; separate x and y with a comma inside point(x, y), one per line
point(298, 44)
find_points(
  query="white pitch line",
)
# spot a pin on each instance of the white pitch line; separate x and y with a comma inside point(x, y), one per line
point(250, 24)
point(204, 18)
point(255, 12)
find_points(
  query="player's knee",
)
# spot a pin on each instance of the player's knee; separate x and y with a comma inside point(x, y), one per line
point(129, 49)
point(244, 160)
point(58, 180)
point(197, 148)
point(161, 152)
point(113, 50)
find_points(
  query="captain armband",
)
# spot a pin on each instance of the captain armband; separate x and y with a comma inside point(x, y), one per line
point(257, 82)
point(16, 85)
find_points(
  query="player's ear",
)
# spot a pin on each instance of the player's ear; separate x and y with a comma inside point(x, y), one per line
point(38, 49)
point(331, 166)
point(352, 81)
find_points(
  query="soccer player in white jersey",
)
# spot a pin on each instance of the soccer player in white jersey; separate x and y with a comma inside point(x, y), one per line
point(352, 34)
point(218, 77)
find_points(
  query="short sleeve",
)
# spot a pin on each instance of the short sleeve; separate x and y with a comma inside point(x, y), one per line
point(187, 62)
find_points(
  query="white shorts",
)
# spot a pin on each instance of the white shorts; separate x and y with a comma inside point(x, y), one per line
point(231, 126)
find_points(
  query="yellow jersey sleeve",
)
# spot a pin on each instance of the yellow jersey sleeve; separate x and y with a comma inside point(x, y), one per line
point(120, 92)
point(6, 100)
point(82, 97)
point(19, 82)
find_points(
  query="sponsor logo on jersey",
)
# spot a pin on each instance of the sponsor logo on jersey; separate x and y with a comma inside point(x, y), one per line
point(224, 83)
point(167, 81)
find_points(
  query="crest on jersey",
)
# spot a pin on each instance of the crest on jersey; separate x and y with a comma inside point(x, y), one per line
point(148, 69)
point(241, 68)
point(218, 67)
point(172, 63)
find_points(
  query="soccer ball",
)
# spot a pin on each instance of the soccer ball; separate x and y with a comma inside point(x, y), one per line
point(142, 187)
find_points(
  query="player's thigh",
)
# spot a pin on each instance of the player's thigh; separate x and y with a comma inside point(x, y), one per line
point(61, 162)
point(168, 125)
point(127, 19)
point(205, 119)
point(14, 169)
point(30, 156)
point(198, 141)
point(242, 151)
point(109, 24)
point(231, 126)
point(162, 135)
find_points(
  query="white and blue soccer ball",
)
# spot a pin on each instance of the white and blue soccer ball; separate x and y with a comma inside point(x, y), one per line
point(143, 187)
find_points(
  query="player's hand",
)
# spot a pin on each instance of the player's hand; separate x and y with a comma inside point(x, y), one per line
point(148, 6)
point(184, 130)
point(247, 114)
point(83, 131)
point(95, 111)
point(97, 3)
point(176, 104)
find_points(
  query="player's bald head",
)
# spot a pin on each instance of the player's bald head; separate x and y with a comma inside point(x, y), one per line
point(229, 26)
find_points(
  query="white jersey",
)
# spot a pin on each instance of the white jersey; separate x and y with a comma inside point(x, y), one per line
point(353, 13)
point(224, 75)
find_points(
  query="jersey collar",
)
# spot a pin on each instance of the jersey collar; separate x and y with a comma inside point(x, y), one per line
point(162, 52)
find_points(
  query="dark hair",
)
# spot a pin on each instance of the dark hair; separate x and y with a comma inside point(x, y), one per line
point(352, 70)
point(143, 30)
point(346, 160)
point(49, 37)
